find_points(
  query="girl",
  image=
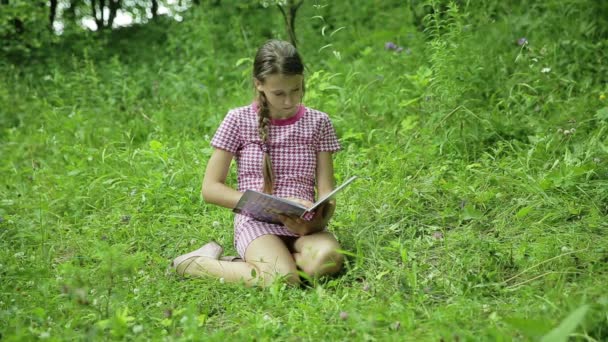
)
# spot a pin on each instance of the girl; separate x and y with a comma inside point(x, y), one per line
point(284, 149)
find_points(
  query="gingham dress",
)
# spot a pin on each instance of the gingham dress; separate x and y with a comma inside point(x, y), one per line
point(293, 143)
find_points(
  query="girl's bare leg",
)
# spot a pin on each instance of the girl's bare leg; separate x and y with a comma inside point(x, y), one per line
point(267, 258)
point(317, 254)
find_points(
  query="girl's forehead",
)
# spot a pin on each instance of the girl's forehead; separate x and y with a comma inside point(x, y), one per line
point(283, 81)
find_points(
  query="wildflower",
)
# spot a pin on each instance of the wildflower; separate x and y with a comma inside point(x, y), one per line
point(366, 287)
point(168, 313)
point(215, 224)
point(438, 235)
point(545, 70)
point(602, 97)
point(343, 315)
point(390, 46)
point(137, 329)
point(522, 41)
point(399, 49)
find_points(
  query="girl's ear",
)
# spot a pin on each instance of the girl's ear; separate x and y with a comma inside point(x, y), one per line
point(258, 84)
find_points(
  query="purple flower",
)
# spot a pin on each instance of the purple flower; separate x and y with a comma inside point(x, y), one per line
point(522, 41)
point(390, 46)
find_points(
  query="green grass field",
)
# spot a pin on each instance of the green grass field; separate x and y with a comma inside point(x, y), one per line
point(480, 212)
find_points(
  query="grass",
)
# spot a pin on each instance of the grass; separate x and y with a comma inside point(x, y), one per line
point(477, 217)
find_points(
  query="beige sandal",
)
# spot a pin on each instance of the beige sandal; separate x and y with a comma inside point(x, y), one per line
point(210, 250)
point(232, 258)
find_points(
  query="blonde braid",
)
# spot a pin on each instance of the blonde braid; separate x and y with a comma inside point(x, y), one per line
point(264, 131)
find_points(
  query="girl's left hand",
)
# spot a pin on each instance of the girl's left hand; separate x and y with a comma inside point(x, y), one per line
point(319, 221)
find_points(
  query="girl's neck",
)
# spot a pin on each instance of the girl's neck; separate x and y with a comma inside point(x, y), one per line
point(280, 120)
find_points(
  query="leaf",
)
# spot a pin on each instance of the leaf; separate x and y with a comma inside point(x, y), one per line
point(567, 326)
point(523, 212)
point(531, 328)
point(602, 114)
point(470, 213)
point(337, 30)
point(243, 60)
point(382, 274)
point(156, 145)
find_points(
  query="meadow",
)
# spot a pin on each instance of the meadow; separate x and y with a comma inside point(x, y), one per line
point(479, 135)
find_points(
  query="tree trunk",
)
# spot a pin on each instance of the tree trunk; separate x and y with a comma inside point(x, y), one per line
point(114, 6)
point(154, 8)
point(98, 18)
point(52, 13)
point(290, 19)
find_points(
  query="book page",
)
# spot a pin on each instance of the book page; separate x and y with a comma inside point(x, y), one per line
point(264, 207)
point(331, 194)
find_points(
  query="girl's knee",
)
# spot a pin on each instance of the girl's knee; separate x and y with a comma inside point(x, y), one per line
point(324, 261)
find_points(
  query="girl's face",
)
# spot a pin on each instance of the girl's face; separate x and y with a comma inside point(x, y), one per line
point(283, 92)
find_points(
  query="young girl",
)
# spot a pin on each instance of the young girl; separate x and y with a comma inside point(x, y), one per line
point(284, 149)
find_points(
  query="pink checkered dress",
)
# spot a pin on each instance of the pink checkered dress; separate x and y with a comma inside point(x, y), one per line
point(293, 142)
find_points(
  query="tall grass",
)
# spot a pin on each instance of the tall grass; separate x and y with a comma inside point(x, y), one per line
point(480, 213)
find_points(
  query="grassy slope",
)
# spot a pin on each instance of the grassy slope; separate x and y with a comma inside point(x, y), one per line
point(475, 216)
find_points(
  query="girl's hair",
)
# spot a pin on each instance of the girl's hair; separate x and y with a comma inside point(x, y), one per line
point(275, 57)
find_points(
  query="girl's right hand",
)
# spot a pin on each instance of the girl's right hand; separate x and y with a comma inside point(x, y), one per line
point(302, 227)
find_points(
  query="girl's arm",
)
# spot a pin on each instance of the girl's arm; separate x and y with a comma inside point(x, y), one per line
point(325, 184)
point(325, 174)
point(214, 189)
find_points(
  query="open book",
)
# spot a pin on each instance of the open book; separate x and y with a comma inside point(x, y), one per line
point(264, 207)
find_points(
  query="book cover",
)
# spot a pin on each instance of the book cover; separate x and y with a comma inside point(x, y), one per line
point(267, 208)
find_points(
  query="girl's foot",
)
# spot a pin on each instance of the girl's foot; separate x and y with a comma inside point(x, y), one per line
point(210, 250)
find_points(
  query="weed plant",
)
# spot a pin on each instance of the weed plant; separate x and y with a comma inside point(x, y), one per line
point(481, 146)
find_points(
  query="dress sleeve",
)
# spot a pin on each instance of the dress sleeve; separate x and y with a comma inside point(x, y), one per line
point(328, 141)
point(227, 136)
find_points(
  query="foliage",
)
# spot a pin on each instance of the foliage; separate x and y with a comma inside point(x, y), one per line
point(22, 26)
point(481, 146)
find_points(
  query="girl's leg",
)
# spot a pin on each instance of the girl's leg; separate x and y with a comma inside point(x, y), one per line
point(270, 255)
point(266, 257)
point(317, 254)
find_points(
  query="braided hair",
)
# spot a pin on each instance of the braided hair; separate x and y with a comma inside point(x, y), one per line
point(275, 57)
